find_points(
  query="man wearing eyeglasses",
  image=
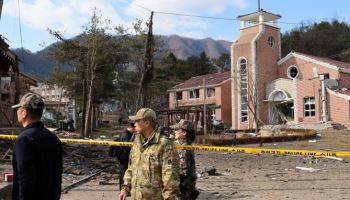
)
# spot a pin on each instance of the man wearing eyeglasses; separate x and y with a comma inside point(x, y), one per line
point(153, 170)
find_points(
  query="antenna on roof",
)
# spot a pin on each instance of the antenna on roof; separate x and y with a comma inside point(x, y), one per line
point(258, 5)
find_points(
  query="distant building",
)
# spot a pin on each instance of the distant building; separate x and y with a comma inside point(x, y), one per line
point(296, 89)
point(54, 98)
point(211, 90)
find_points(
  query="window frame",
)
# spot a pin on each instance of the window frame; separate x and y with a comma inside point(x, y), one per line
point(177, 96)
point(243, 91)
point(212, 92)
point(309, 107)
point(195, 94)
point(289, 71)
point(271, 41)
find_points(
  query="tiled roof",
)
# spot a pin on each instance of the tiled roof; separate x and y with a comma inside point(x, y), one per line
point(327, 60)
point(269, 15)
point(210, 80)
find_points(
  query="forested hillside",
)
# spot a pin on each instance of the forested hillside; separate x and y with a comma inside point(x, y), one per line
point(324, 39)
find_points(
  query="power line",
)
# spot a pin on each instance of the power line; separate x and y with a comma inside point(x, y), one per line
point(20, 32)
point(142, 7)
point(202, 16)
point(197, 16)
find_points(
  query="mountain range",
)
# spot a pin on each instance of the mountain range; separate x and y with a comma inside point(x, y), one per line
point(40, 65)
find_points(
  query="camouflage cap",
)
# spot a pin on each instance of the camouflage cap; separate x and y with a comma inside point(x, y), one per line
point(183, 124)
point(32, 101)
point(144, 113)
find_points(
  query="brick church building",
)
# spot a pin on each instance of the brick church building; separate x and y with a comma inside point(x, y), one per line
point(296, 89)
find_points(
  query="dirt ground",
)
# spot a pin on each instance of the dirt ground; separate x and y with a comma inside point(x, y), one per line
point(247, 176)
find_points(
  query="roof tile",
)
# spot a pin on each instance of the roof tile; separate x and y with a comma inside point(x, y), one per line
point(210, 80)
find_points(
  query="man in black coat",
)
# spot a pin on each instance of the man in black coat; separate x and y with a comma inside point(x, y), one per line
point(122, 153)
point(37, 159)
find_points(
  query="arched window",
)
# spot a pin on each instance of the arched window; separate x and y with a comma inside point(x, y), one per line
point(244, 89)
point(271, 41)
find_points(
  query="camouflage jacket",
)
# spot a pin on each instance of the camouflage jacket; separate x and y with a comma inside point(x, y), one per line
point(153, 171)
point(187, 161)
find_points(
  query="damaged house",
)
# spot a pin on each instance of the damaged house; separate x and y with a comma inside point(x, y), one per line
point(13, 84)
point(296, 89)
point(211, 90)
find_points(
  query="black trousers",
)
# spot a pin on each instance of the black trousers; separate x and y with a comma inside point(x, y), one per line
point(187, 188)
point(123, 166)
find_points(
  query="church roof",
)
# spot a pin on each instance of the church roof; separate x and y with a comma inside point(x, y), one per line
point(254, 17)
point(211, 80)
point(326, 62)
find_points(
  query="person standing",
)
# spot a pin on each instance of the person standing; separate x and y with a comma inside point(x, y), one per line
point(123, 153)
point(153, 171)
point(37, 154)
point(185, 135)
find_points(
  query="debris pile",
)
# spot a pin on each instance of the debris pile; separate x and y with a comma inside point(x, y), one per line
point(84, 162)
point(263, 136)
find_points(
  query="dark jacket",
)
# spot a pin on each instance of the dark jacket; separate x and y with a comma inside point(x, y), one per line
point(37, 164)
point(124, 152)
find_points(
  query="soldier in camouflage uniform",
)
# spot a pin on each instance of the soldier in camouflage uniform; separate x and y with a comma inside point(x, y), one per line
point(153, 171)
point(185, 135)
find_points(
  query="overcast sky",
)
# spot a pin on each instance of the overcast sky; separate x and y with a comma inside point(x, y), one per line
point(69, 16)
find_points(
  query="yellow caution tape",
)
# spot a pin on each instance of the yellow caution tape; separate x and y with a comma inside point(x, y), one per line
point(96, 142)
point(211, 148)
point(8, 137)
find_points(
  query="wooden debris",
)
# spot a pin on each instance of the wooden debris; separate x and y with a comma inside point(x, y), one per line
point(71, 170)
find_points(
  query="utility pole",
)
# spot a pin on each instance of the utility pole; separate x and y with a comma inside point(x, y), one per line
point(147, 70)
point(82, 131)
point(1, 3)
point(204, 108)
point(74, 115)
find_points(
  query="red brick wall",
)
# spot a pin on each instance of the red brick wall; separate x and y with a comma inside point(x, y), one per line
point(307, 85)
point(266, 61)
point(226, 108)
point(344, 80)
point(241, 49)
point(222, 98)
point(172, 100)
point(267, 66)
point(339, 109)
point(305, 66)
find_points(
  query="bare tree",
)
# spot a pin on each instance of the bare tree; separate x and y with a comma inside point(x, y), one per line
point(95, 58)
point(248, 89)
